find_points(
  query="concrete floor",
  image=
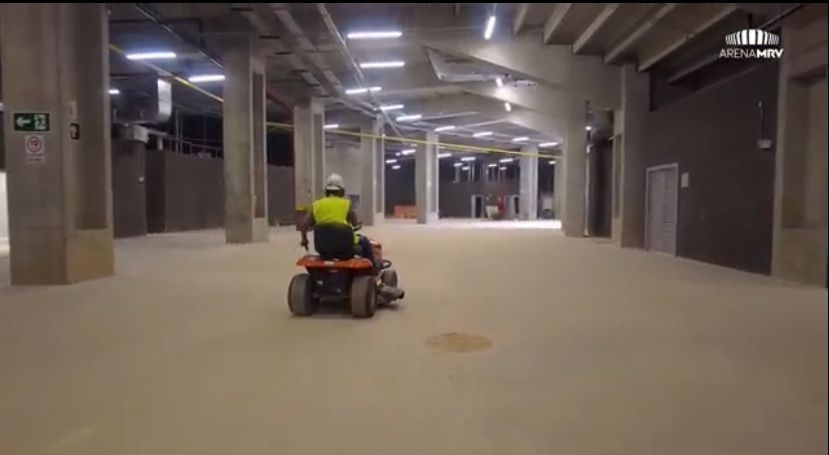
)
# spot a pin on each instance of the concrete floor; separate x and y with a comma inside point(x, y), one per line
point(596, 350)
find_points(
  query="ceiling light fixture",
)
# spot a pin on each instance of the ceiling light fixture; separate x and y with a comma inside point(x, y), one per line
point(465, 168)
point(391, 107)
point(114, 91)
point(375, 34)
point(520, 139)
point(503, 168)
point(391, 161)
point(409, 118)
point(331, 126)
point(483, 134)
point(160, 55)
point(508, 107)
point(444, 155)
point(545, 145)
point(506, 160)
point(444, 128)
point(206, 78)
point(492, 165)
point(458, 164)
point(552, 161)
point(468, 158)
point(385, 64)
point(362, 90)
point(490, 27)
point(499, 82)
point(408, 152)
point(588, 128)
point(396, 167)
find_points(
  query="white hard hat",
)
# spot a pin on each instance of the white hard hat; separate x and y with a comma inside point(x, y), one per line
point(334, 183)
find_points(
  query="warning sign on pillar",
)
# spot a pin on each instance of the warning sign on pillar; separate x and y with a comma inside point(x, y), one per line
point(35, 149)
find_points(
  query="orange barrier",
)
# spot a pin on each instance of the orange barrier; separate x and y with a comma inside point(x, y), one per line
point(405, 211)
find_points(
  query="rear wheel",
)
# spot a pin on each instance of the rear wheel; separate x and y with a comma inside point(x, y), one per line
point(363, 297)
point(389, 277)
point(301, 300)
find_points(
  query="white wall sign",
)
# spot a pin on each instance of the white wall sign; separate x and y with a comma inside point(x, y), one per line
point(35, 148)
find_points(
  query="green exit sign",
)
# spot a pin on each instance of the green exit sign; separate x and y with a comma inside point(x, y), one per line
point(31, 121)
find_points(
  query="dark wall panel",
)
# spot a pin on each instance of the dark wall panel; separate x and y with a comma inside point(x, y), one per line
point(725, 215)
point(194, 192)
point(280, 195)
point(400, 186)
point(129, 204)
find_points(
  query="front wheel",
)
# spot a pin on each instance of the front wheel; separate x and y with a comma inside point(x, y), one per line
point(363, 297)
point(389, 277)
point(301, 300)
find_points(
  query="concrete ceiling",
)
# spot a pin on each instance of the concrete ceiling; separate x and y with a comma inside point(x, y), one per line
point(548, 54)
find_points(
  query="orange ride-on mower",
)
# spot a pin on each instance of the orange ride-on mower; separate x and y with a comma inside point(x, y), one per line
point(336, 276)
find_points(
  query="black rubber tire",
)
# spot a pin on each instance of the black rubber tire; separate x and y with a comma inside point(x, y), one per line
point(363, 297)
point(389, 277)
point(301, 300)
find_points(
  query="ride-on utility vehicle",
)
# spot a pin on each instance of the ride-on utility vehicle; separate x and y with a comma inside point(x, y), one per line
point(336, 275)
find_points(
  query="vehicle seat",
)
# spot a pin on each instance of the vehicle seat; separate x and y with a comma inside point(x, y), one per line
point(334, 241)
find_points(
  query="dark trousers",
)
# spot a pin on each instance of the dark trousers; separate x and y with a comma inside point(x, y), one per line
point(364, 248)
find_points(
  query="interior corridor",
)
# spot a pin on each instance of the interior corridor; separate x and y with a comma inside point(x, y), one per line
point(190, 349)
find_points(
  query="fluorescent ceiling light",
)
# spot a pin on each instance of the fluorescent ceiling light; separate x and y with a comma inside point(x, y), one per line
point(552, 161)
point(206, 78)
point(503, 168)
point(458, 164)
point(375, 34)
point(408, 152)
point(520, 139)
point(499, 82)
point(396, 167)
point(506, 160)
point(483, 134)
point(545, 145)
point(161, 55)
point(444, 155)
point(492, 165)
point(362, 90)
point(508, 107)
point(465, 168)
point(114, 91)
point(490, 27)
point(391, 161)
point(445, 128)
point(588, 128)
point(391, 107)
point(409, 118)
point(331, 126)
point(468, 158)
point(385, 64)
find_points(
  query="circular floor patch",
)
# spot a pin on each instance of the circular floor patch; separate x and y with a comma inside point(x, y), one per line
point(458, 342)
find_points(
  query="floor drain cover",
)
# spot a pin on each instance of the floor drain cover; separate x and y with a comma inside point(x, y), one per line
point(458, 342)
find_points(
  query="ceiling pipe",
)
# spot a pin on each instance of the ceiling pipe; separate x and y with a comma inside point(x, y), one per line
point(332, 28)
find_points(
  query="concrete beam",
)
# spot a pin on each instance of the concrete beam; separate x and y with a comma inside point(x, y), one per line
point(520, 18)
point(591, 30)
point(555, 20)
point(708, 15)
point(555, 67)
point(615, 54)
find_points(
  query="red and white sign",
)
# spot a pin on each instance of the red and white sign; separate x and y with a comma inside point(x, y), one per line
point(35, 149)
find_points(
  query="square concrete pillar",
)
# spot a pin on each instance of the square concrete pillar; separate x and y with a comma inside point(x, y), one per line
point(426, 179)
point(309, 153)
point(628, 175)
point(370, 189)
point(55, 64)
point(575, 167)
point(799, 249)
point(245, 154)
point(528, 190)
point(380, 179)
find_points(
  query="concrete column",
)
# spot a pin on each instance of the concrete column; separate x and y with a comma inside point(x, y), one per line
point(369, 163)
point(309, 153)
point(55, 63)
point(528, 192)
point(628, 186)
point(799, 250)
point(245, 165)
point(380, 179)
point(575, 166)
point(426, 180)
point(558, 188)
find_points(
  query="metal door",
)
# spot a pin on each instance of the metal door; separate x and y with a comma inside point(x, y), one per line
point(661, 208)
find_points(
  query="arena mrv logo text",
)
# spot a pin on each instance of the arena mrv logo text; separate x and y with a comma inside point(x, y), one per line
point(752, 43)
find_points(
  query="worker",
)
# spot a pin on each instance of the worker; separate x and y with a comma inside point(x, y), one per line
point(335, 208)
